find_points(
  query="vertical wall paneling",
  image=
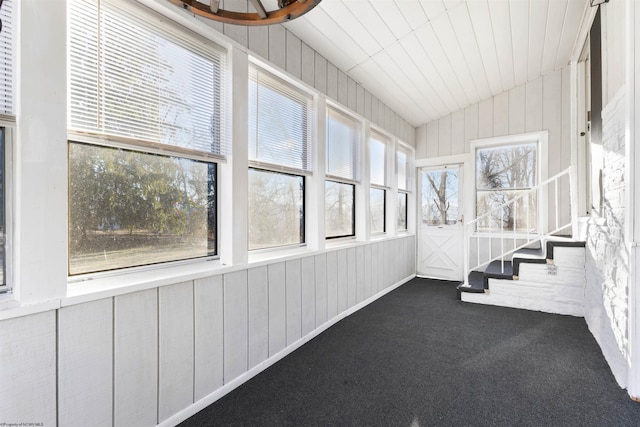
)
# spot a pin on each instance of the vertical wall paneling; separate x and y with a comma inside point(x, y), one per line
point(374, 110)
point(533, 107)
point(175, 343)
point(368, 102)
point(136, 359)
point(421, 142)
point(517, 104)
point(209, 335)
point(470, 125)
point(501, 114)
point(343, 88)
point(308, 65)
point(342, 280)
point(351, 277)
point(85, 362)
point(308, 295)
point(259, 40)
point(258, 288)
point(375, 265)
point(444, 135)
point(457, 132)
point(28, 368)
point(360, 100)
point(293, 301)
point(382, 114)
point(382, 266)
point(360, 292)
point(332, 284)
point(277, 308)
point(277, 46)
point(368, 288)
point(320, 77)
point(235, 324)
point(294, 55)
point(432, 139)
point(238, 33)
point(332, 81)
point(485, 118)
point(552, 118)
point(566, 114)
point(352, 101)
point(321, 289)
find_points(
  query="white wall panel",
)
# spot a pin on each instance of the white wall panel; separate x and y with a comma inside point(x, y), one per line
point(457, 132)
point(332, 284)
point(308, 295)
point(501, 114)
point(259, 40)
point(238, 33)
point(209, 335)
point(294, 55)
point(351, 277)
point(332, 81)
point(368, 288)
point(342, 280)
point(320, 77)
point(308, 65)
point(136, 359)
point(375, 268)
point(533, 105)
point(277, 46)
point(293, 301)
point(552, 118)
point(258, 283)
point(368, 105)
point(351, 94)
point(235, 324)
point(444, 135)
point(28, 369)
point(432, 139)
point(321, 289)
point(360, 292)
point(176, 370)
point(85, 364)
point(471, 125)
point(360, 99)
point(343, 88)
point(485, 118)
point(517, 110)
point(277, 308)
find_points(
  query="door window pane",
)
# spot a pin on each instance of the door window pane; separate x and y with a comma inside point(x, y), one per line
point(276, 209)
point(340, 209)
point(440, 196)
point(128, 208)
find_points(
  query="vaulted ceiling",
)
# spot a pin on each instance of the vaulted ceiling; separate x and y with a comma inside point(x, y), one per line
point(428, 58)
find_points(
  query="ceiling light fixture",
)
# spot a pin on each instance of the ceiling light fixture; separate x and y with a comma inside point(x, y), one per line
point(287, 11)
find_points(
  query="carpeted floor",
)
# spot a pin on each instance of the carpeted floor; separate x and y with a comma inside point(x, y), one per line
point(418, 357)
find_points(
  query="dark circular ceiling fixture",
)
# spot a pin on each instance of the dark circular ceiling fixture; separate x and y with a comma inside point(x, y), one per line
point(287, 11)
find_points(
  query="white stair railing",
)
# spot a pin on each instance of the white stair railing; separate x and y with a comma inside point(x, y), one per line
point(491, 229)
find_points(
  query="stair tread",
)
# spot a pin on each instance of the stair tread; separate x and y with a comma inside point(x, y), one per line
point(529, 253)
point(495, 269)
point(475, 283)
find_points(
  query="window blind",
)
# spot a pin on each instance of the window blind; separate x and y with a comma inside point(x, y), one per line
point(279, 122)
point(7, 37)
point(130, 75)
point(343, 145)
point(402, 157)
point(378, 159)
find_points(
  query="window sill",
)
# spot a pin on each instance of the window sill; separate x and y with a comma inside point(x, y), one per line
point(10, 308)
point(268, 256)
point(94, 288)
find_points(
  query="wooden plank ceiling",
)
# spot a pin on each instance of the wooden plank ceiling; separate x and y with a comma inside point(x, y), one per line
point(428, 58)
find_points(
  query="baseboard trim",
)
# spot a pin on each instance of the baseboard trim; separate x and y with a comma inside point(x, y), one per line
point(196, 407)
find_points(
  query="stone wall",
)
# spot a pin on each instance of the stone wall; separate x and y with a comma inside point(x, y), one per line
point(607, 288)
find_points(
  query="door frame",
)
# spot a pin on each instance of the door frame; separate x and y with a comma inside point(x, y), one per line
point(465, 161)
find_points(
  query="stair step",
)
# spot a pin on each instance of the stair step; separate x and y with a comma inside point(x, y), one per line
point(475, 284)
point(564, 244)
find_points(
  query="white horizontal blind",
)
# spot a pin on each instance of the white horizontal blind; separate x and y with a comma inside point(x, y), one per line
point(279, 122)
point(343, 145)
point(131, 75)
point(7, 36)
point(378, 158)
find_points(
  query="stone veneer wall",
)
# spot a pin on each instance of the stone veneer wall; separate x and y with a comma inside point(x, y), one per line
point(607, 264)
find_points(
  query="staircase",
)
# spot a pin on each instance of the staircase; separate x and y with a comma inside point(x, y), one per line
point(535, 271)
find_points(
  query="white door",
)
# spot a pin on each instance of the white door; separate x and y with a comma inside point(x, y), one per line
point(440, 231)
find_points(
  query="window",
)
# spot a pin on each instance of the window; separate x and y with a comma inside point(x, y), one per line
point(403, 168)
point(280, 157)
point(378, 181)
point(402, 211)
point(343, 168)
point(3, 229)
point(146, 126)
point(7, 34)
point(502, 174)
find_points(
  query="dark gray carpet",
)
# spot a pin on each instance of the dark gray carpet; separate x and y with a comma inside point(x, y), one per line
point(418, 357)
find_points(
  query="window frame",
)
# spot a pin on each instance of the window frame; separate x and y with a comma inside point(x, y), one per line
point(266, 166)
point(407, 190)
point(387, 141)
point(541, 139)
point(104, 139)
point(8, 137)
point(355, 179)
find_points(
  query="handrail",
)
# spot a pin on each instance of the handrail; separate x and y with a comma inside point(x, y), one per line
point(512, 234)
